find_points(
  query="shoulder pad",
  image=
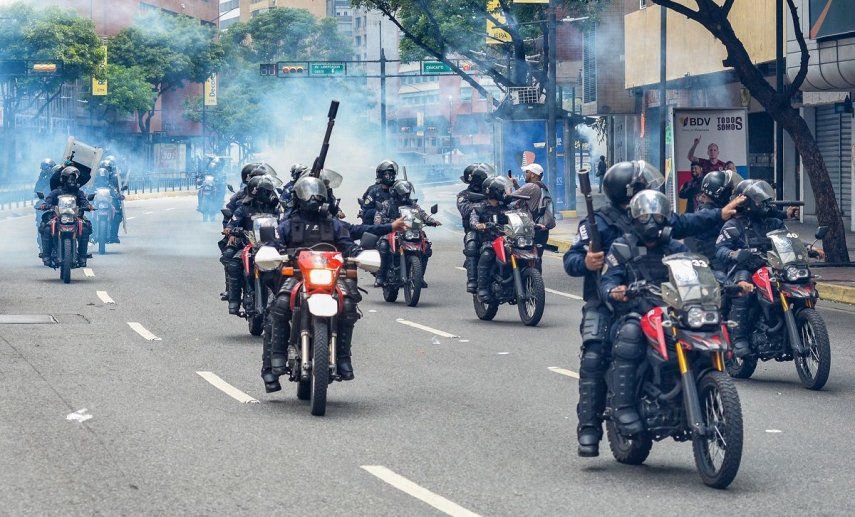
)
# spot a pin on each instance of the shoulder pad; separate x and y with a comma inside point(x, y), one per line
point(612, 260)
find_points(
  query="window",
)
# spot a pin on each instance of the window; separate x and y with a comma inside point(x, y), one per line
point(642, 4)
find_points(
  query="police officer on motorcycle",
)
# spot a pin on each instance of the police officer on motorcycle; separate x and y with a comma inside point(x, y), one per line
point(297, 170)
point(387, 212)
point(485, 218)
point(107, 177)
point(620, 183)
point(474, 176)
point(386, 173)
point(69, 184)
point(650, 213)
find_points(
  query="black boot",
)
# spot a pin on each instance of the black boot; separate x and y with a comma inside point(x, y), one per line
point(82, 251)
point(484, 270)
point(234, 295)
point(739, 313)
point(471, 274)
point(224, 296)
point(271, 382)
point(623, 398)
point(592, 394)
point(345, 368)
point(280, 334)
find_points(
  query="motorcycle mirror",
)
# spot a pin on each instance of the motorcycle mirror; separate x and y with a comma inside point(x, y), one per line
point(124, 188)
point(231, 188)
point(90, 197)
point(226, 213)
point(622, 251)
point(368, 260)
point(40, 195)
point(821, 232)
point(369, 241)
point(434, 209)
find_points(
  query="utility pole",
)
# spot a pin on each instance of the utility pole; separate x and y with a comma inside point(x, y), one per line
point(779, 87)
point(551, 111)
point(383, 97)
point(569, 156)
point(663, 79)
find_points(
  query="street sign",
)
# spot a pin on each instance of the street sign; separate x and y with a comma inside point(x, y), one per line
point(435, 68)
point(326, 69)
point(289, 69)
point(211, 91)
point(99, 87)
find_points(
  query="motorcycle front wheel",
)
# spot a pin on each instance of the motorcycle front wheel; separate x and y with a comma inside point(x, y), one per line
point(413, 287)
point(717, 455)
point(533, 299)
point(813, 369)
point(102, 236)
point(320, 366)
point(67, 259)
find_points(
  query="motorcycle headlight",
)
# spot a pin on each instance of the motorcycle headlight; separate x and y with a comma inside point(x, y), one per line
point(524, 242)
point(321, 277)
point(697, 317)
point(795, 273)
point(411, 235)
point(66, 219)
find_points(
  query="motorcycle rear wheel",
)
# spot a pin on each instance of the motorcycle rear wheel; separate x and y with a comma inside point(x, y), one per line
point(413, 287)
point(320, 378)
point(741, 368)
point(534, 298)
point(67, 259)
point(813, 369)
point(630, 451)
point(390, 294)
point(485, 311)
point(718, 457)
point(102, 236)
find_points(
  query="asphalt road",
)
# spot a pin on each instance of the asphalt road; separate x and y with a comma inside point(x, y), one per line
point(474, 423)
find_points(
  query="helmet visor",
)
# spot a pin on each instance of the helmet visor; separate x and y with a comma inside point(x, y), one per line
point(649, 204)
point(307, 188)
point(759, 192)
point(332, 178)
point(649, 176)
point(403, 189)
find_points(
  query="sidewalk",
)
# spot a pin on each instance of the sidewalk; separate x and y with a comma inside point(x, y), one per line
point(836, 284)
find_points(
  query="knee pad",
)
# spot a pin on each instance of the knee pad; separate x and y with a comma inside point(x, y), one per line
point(227, 256)
point(281, 307)
point(629, 342)
point(383, 247)
point(234, 267)
point(593, 359)
point(595, 324)
point(351, 312)
point(471, 248)
point(428, 250)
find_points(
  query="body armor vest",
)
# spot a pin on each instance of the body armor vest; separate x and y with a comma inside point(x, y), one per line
point(306, 233)
point(614, 217)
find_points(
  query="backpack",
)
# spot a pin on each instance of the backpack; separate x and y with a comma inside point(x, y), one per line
point(545, 215)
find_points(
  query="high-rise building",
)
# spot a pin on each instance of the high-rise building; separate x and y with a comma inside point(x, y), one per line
point(229, 13)
point(250, 8)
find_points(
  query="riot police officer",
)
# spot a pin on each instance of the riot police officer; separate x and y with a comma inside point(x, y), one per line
point(69, 184)
point(386, 173)
point(474, 176)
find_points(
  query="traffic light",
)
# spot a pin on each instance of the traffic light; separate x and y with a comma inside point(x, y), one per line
point(44, 68)
point(286, 69)
point(268, 69)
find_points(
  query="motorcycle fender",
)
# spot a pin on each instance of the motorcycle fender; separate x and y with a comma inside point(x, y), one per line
point(323, 305)
point(392, 242)
point(524, 255)
point(763, 282)
point(703, 341)
point(63, 228)
point(294, 292)
point(499, 249)
point(245, 258)
point(651, 325)
point(53, 227)
point(804, 291)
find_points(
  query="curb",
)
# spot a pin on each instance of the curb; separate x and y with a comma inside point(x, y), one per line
point(836, 293)
point(562, 244)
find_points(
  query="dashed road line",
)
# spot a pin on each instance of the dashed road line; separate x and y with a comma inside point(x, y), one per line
point(562, 371)
point(169, 209)
point(105, 297)
point(132, 217)
point(139, 329)
point(460, 268)
point(147, 213)
point(87, 271)
point(419, 326)
point(419, 492)
point(227, 388)
point(565, 295)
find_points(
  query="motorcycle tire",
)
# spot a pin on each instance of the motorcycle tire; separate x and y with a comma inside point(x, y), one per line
point(741, 368)
point(102, 236)
point(256, 324)
point(320, 377)
point(813, 369)
point(304, 390)
point(722, 412)
point(413, 288)
point(390, 294)
point(67, 260)
point(484, 311)
point(534, 298)
point(629, 451)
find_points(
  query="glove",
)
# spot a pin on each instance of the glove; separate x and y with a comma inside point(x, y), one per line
point(354, 250)
point(742, 256)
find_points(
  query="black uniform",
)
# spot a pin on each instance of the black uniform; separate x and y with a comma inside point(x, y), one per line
point(371, 200)
point(50, 202)
point(484, 212)
point(110, 180)
point(471, 243)
point(387, 212)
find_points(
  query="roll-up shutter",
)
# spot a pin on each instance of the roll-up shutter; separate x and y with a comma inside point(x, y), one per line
point(834, 137)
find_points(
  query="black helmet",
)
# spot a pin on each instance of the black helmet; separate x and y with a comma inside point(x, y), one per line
point(479, 174)
point(625, 179)
point(760, 196)
point(740, 187)
point(651, 214)
point(47, 165)
point(467, 172)
point(244, 172)
point(70, 177)
point(311, 194)
point(386, 172)
point(403, 191)
point(717, 186)
point(262, 189)
point(107, 164)
point(498, 187)
point(297, 170)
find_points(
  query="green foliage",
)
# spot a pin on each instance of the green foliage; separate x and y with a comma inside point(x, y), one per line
point(128, 92)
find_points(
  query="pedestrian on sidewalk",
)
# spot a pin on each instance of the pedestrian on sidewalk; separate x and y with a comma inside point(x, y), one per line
point(602, 167)
point(538, 204)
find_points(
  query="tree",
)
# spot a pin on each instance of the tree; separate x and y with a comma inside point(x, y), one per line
point(779, 105)
point(128, 92)
point(169, 50)
point(444, 29)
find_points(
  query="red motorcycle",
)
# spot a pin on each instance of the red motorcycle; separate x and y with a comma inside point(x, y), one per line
point(515, 279)
point(408, 247)
point(786, 325)
point(683, 392)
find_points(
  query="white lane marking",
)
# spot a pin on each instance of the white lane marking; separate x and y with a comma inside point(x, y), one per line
point(227, 388)
point(88, 272)
point(419, 326)
point(372, 310)
point(105, 297)
point(139, 329)
point(774, 431)
point(503, 353)
point(147, 213)
point(460, 268)
point(422, 494)
point(132, 217)
point(81, 415)
point(168, 209)
point(463, 340)
point(565, 295)
point(562, 371)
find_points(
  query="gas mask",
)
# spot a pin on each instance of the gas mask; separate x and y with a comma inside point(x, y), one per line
point(652, 228)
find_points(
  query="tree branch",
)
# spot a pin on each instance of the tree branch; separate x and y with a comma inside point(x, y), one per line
point(725, 9)
point(805, 58)
point(679, 8)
